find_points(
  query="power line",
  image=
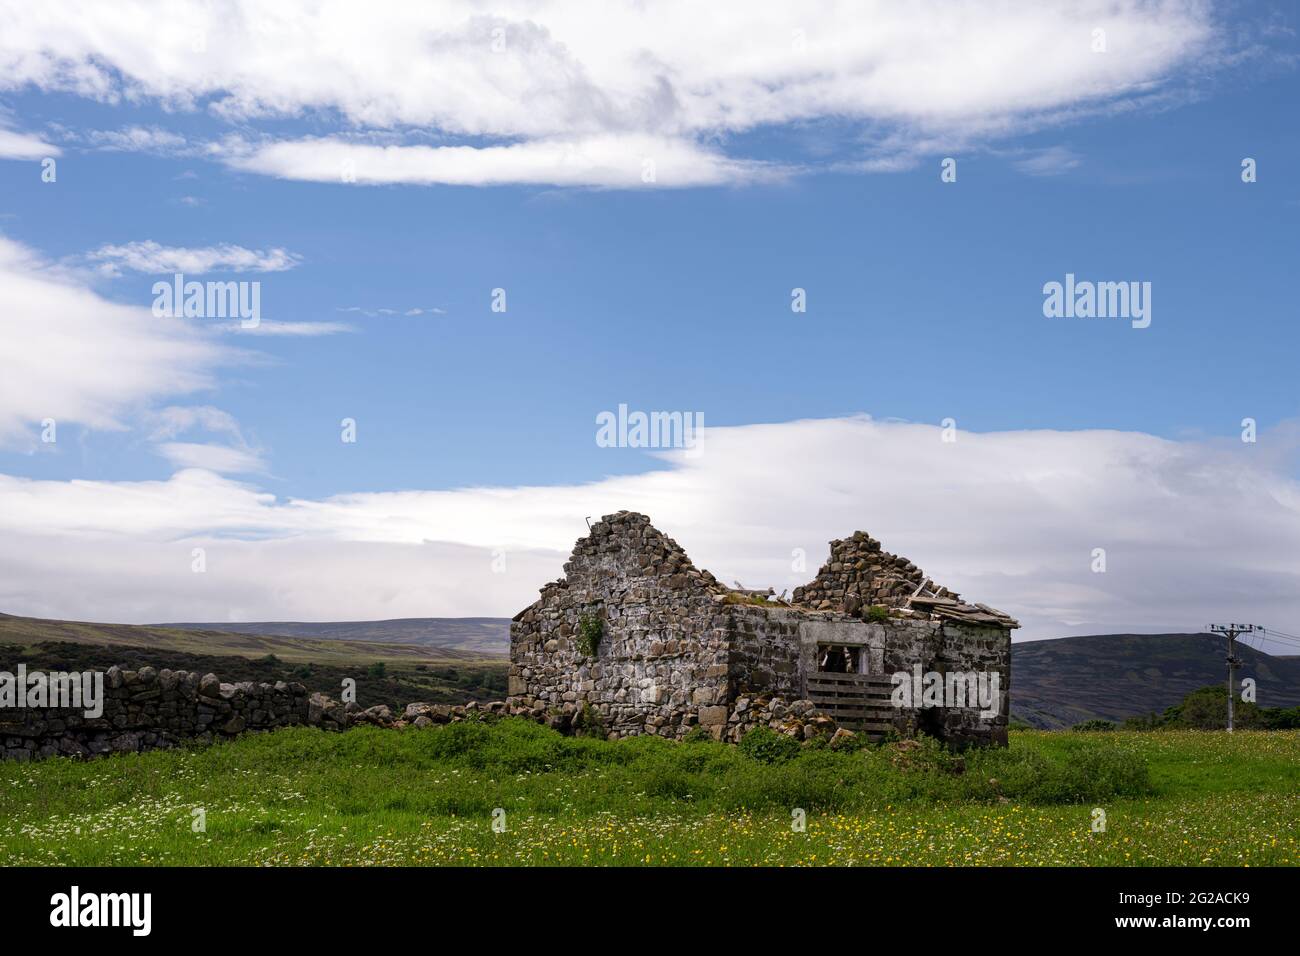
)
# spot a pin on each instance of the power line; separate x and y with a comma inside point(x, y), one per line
point(1231, 632)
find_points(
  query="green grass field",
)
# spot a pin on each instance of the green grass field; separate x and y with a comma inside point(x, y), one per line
point(427, 797)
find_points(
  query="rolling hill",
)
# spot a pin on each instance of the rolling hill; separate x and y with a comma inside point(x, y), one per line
point(483, 635)
point(201, 639)
point(1058, 683)
point(409, 671)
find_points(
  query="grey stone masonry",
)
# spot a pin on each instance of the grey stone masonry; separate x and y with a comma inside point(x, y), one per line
point(150, 709)
point(678, 650)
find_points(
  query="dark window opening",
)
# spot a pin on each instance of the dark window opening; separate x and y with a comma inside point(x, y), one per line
point(839, 659)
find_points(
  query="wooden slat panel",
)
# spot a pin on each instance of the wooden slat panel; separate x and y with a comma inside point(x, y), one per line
point(869, 729)
point(850, 678)
point(858, 700)
point(853, 705)
point(857, 706)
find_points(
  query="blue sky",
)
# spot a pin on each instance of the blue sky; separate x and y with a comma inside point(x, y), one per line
point(924, 298)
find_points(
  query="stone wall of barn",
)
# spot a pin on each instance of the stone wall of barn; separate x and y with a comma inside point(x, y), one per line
point(661, 665)
point(679, 650)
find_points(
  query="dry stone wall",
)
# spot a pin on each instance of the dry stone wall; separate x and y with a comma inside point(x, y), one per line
point(150, 709)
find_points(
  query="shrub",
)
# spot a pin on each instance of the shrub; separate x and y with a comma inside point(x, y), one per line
point(590, 630)
point(1094, 724)
point(1082, 769)
point(767, 746)
point(587, 723)
point(877, 613)
point(378, 669)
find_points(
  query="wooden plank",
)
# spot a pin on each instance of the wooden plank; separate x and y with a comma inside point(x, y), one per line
point(851, 678)
point(856, 705)
point(881, 699)
point(869, 728)
point(837, 706)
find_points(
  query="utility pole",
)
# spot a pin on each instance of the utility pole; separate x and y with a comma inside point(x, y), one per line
point(1231, 631)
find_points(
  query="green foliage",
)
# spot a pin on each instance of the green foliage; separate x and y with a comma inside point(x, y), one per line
point(591, 628)
point(587, 723)
point(1095, 724)
point(373, 796)
point(877, 613)
point(377, 669)
point(1149, 721)
point(1207, 709)
point(1281, 718)
point(767, 746)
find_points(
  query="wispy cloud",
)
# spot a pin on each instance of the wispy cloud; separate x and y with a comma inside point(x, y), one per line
point(15, 145)
point(136, 139)
point(613, 160)
point(294, 329)
point(221, 459)
point(70, 355)
point(376, 313)
point(538, 92)
point(1052, 161)
point(155, 259)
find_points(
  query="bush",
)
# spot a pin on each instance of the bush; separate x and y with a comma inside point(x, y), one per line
point(587, 723)
point(378, 669)
point(1082, 769)
point(767, 746)
point(877, 613)
point(590, 630)
point(1094, 724)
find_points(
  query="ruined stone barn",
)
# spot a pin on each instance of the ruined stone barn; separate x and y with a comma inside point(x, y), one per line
point(637, 640)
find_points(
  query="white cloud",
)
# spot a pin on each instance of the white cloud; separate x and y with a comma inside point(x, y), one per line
point(1193, 531)
point(14, 145)
point(221, 459)
point(1052, 161)
point(621, 160)
point(235, 458)
point(70, 355)
point(151, 257)
point(542, 80)
point(295, 329)
point(375, 313)
point(176, 419)
point(136, 139)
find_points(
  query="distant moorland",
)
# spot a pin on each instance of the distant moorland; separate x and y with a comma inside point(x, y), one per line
point(1066, 681)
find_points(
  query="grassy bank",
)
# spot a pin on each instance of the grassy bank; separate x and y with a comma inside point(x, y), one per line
point(370, 796)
